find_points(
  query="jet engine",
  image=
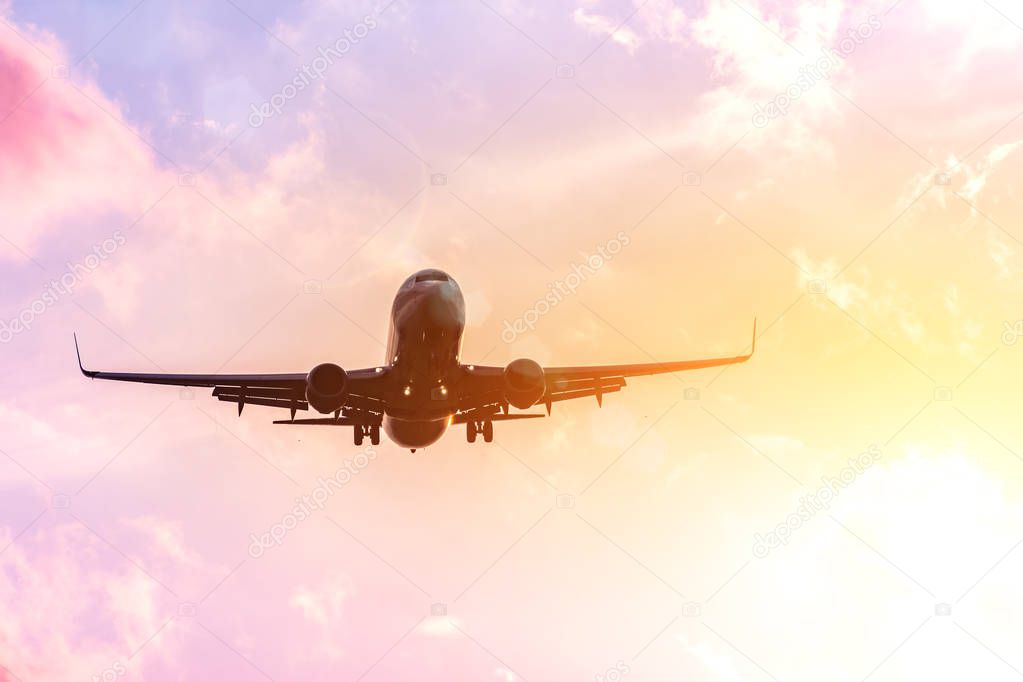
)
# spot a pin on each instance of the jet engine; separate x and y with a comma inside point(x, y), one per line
point(326, 388)
point(524, 383)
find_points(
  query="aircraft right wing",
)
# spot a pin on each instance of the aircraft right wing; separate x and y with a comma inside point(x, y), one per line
point(485, 384)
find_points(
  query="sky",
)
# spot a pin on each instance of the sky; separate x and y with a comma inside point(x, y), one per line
point(242, 185)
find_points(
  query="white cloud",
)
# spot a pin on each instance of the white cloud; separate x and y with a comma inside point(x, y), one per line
point(843, 292)
point(1000, 252)
point(440, 626)
point(80, 608)
point(713, 658)
point(935, 497)
point(975, 176)
point(324, 606)
point(979, 28)
point(601, 25)
point(972, 180)
point(968, 178)
point(661, 19)
point(665, 20)
point(166, 539)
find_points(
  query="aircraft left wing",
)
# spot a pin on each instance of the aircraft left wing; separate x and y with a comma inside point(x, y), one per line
point(269, 390)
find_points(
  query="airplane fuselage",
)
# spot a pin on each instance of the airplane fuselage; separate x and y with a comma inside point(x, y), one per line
point(423, 348)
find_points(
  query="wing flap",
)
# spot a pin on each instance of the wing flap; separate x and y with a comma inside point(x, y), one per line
point(263, 402)
point(583, 393)
point(275, 392)
point(325, 421)
point(603, 384)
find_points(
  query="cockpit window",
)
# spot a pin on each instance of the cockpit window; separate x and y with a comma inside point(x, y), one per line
point(432, 277)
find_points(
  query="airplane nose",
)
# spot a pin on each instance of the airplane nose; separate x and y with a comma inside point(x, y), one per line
point(443, 306)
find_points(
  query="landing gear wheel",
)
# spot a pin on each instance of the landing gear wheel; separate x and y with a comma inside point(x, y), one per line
point(359, 435)
point(470, 432)
point(374, 434)
point(488, 432)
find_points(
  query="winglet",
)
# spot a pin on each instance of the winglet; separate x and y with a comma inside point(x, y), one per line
point(79, 354)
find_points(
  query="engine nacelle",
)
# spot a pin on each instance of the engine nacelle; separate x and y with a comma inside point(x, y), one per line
point(326, 388)
point(524, 383)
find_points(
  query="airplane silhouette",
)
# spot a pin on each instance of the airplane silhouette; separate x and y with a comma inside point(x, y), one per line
point(423, 388)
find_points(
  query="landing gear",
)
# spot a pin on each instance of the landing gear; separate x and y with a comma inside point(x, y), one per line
point(360, 432)
point(472, 429)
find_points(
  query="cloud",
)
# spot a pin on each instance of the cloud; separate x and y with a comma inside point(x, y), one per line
point(604, 26)
point(66, 146)
point(968, 178)
point(974, 181)
point(56, 450)
point(758, 57)
point(843, 292)
point(713, 658)
point(665, 20)
point(658, 19)
point(324, 606)
point(980, 29)
point(72, 153)
point(440, 626)
point(933, 496)
point(81, 608)
point(166, 550)
point(977, 174)
point(757, 53)
point(880, 306)
point(1000, 253)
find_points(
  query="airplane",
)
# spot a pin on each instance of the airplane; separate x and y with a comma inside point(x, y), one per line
point(422, 388)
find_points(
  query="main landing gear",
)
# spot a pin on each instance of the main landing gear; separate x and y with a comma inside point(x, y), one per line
point(472, 429)
point(361, 431)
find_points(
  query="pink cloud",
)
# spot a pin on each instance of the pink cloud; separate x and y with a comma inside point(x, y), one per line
point(81, 607)
point(65, 145)
point(24, 139)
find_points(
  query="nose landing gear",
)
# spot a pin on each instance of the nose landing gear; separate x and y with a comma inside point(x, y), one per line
point(474, 428)
point(360, 431)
